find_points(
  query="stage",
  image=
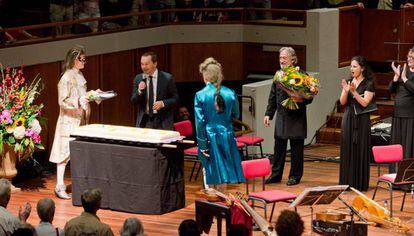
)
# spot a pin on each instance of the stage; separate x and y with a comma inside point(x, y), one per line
point(316, 173)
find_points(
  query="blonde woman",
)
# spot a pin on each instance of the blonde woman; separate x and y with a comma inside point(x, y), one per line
point(215, 107)
point(74, 111)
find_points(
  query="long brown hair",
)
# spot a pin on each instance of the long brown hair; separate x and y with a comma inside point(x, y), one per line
point(71, 56)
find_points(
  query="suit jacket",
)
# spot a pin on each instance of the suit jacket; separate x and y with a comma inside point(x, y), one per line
point(290, 124)
point(166, 92)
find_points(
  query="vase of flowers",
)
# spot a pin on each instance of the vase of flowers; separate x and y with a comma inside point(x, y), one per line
point(295, 82)
point(19, 119)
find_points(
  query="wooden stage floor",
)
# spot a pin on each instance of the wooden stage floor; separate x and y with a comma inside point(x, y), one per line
point(316, 173)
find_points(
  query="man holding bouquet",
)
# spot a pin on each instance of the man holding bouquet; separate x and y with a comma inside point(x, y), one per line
point(290, 124)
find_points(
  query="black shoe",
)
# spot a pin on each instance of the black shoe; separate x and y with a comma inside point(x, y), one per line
point(272, 180)
point(292, 182)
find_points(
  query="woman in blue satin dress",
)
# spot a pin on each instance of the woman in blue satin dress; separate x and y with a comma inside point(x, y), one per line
point(215, 107)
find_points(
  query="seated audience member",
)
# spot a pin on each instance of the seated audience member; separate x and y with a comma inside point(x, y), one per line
point(188, 228)
point(185, 15)
point(132, 227)
point(289, 223)
point(46, 211)
point(88, 223)
point(26, 230)
point(394, 4)
point(8, 222)
point(340, 3)
point(239, 230)
point(87, 9)
point(183, 113)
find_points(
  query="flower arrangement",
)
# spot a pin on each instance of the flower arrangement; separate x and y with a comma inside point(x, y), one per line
point(19, 117)
point(295, 82)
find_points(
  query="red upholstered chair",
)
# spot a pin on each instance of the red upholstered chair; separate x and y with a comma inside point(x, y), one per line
point(185, 128)
point(390, 154)
point(261, 168)
point(251, 140)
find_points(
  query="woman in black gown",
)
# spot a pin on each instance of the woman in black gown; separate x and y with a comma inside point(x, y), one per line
point(403, 120)
point(358, 91)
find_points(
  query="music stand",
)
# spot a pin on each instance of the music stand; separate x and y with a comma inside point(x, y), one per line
point(318, 196)
point(405, 171)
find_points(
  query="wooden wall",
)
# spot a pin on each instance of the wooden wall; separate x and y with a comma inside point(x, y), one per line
point(115, 71)
point(349, 34)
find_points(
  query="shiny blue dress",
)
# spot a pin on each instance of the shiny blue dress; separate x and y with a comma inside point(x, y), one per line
point(215, 133)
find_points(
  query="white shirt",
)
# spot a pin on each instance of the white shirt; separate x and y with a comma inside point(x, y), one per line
point(154, 85)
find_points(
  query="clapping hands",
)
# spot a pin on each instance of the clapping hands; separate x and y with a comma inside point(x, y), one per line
point(24, 212)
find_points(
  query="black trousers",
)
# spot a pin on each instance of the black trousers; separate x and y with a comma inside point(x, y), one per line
point(152, 122)
point(296, 159)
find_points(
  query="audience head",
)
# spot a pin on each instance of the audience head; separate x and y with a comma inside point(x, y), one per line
point(410, 58)
point(287, 57)
point(149, 61)
point(213, 72)
point(5, 192)
point(132, 227)
point(46, 209)
point(239, 230)
point(188, 228)
point(289, 223)
point(91, 200)
point(359, 66)
point(75, 58)
point(25, 230)
point(183, 113)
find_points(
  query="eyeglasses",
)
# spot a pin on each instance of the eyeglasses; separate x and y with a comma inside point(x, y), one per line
point(83, 60)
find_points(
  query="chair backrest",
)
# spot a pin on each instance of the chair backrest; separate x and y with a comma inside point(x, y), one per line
point(256, 168)
point(185, 128)
point(387, 153)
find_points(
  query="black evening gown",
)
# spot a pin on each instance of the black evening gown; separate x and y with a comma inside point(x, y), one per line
point(356, 143)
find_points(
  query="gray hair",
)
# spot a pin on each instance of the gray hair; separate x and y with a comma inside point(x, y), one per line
point(5, 191)
point(132, 227)
point(291, 53)
point(46, 209)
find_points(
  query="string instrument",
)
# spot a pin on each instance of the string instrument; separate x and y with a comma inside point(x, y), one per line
point(213, 195)
point(374, 212)
point(264, 226)
point(330, 216)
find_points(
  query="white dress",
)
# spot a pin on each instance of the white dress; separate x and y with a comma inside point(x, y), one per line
point(71, 87)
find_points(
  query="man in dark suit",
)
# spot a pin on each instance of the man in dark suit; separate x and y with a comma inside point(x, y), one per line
point(290, 125)
point(155, 93)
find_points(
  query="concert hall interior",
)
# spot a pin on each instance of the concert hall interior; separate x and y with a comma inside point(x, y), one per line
point(247, 39)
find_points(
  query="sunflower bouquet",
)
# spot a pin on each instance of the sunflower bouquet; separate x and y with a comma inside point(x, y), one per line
point(295, 82)
point(19, 117)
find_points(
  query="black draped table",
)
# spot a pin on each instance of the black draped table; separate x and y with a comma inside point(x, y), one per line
point(138, 179)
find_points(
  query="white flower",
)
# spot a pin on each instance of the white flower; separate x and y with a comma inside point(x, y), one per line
point(18, 132)
point(35, 126)
point(279, 75)
point(292, 81)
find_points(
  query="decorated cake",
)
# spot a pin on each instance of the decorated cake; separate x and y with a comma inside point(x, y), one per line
point(126, 133)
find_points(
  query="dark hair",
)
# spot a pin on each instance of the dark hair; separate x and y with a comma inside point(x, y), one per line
point(367, 72)
point(24, 230)
point(239, 230)
point(153, 55)
point(188, 228)
point(91, 200)
point(46, 209)
point(289, 223)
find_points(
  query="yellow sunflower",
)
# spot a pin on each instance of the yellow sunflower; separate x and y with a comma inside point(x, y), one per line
point(19, 122)
point(298, 80)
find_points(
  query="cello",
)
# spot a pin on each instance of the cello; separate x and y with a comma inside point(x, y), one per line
point(374, 212)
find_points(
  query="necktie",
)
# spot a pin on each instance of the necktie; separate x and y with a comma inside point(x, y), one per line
point(150, 97)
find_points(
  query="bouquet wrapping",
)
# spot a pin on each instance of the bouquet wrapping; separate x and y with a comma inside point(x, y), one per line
point(295, 82)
